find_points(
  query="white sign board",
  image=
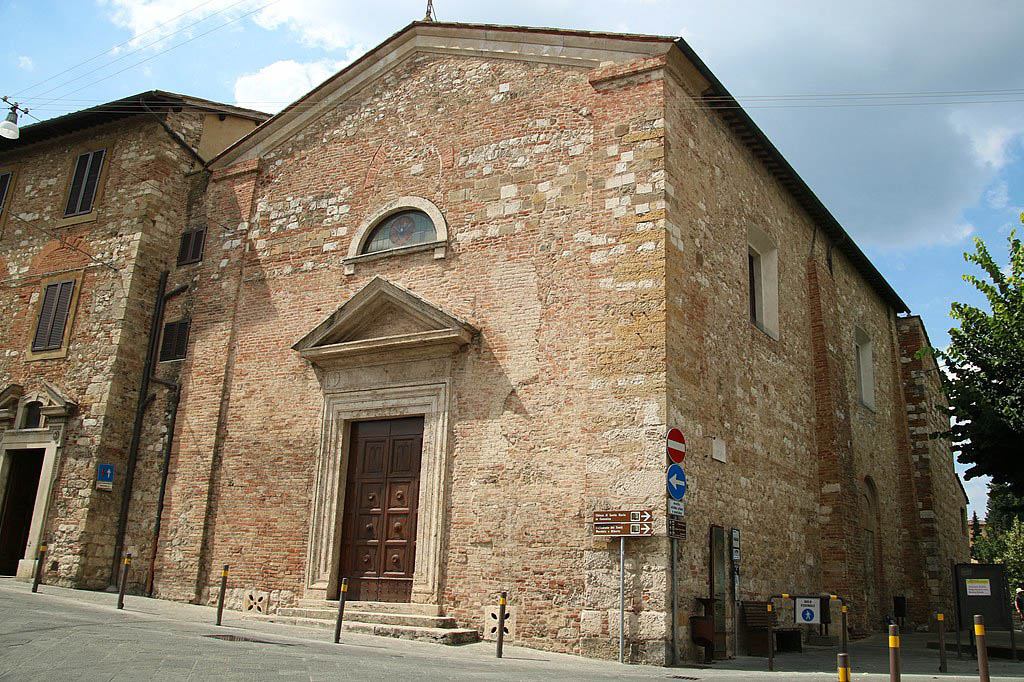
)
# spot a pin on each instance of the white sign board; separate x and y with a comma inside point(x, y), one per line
point(979, 587)
point(807, 610)
point(676, 507)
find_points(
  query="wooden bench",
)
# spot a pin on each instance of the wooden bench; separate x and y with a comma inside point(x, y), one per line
point(763, 630)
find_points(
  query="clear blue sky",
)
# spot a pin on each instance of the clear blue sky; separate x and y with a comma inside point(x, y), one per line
point(906, 118)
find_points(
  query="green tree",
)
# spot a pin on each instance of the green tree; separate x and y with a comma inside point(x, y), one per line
point(1003, 507)
point(985, 364)
point(975, 534)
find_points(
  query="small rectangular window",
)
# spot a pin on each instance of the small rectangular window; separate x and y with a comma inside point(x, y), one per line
point(754, 282)
point(175, 340)
point(864, 367)
point(84, 183)
point(5, 184)
point(53, 316)
point(190, 249)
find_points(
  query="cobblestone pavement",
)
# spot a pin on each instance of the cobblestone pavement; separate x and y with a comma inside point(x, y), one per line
point(61, 634)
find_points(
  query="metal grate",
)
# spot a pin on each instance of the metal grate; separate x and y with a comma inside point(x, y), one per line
point(242, 638)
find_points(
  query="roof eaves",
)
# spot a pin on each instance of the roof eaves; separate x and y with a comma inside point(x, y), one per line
point(758, 142)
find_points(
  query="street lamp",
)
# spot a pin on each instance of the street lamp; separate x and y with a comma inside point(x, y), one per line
point(9, 128)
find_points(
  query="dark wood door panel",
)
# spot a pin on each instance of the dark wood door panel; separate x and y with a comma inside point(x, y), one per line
point(382, 490)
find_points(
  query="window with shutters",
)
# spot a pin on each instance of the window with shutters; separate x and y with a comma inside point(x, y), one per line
point(85, 185)
point(6, 190)
point(54, 316)
point(175, 340)
point(190, 250)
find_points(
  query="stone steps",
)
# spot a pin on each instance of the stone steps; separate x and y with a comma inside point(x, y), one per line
point(421, 622)
point(359, 616)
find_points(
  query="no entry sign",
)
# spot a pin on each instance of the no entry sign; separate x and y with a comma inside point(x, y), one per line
point(676, 446)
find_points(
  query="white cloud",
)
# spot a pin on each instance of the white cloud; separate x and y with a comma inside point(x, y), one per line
point(956, 233)
point(990, 140)
point(26, 64)
point(276, 85)
point(999, 196)
point(977, 493)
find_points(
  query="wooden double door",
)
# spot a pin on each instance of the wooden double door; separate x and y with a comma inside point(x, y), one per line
point(378, 552)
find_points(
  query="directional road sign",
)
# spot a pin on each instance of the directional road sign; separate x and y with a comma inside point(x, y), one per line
point(676, 481)
point(676, 527)
point(623, 515)
point(675, 446)
point(641, 530)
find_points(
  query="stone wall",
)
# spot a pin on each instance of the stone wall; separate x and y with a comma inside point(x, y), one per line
point(120, 254)
point(802, 450)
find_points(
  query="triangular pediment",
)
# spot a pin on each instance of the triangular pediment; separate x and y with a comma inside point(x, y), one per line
point(580, 49)
point(384, 317)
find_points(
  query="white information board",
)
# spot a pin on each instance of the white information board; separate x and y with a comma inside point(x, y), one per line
point(979, 587)
point(807, 610)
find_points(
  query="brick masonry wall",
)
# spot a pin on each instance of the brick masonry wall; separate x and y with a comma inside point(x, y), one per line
point(940, 502)
point(551, 190)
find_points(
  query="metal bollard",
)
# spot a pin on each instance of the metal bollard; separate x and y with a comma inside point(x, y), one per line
point(39, 568)
point(942, 641)
point(979, 642)
point(501, 621)
point(846, 632)
point(124, 581)
point(894, 653)
point(843, 663)
point(342, 593)
point(771, 640)
point(223, 587)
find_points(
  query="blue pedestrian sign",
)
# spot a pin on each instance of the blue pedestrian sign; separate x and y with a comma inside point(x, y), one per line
point(676, 481)
point(104, 476)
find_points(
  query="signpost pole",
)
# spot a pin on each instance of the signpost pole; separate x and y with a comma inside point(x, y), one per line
point(622, 597)
point(675, 607)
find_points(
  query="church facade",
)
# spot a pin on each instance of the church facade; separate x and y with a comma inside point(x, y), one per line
point(448, 305)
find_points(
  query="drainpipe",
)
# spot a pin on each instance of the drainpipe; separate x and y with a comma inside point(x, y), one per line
point(174, 398)
point(144, 400)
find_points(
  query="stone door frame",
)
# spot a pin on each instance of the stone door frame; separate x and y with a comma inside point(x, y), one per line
point(429, 398)
point(57, 408)
point(47, 440)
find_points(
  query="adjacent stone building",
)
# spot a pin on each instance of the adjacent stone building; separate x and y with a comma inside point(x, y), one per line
point(91, 209)
point(448, 306)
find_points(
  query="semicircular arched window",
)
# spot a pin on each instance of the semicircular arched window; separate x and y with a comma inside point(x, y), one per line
point(406, 228)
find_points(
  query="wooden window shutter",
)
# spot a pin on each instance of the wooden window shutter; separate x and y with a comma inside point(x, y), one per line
point(190, 249)
point(53, 316)
point(198, 238)
point(175, 341)
point(84, 183)
point(5, 183)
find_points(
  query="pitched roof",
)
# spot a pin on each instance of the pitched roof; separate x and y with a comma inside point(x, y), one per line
point(141, 103)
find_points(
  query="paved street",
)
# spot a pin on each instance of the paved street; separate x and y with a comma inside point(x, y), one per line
point(62, 634)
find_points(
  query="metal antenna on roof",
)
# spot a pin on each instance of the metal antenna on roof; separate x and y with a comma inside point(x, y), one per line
point(429, 16)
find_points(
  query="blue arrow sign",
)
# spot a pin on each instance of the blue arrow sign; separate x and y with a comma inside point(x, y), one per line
point(105, 473)
point(676, 481)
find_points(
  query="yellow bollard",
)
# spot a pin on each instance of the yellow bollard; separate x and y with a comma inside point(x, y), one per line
point(894, 653)
point(979, 641)
point(844, 667)
point(942, 641)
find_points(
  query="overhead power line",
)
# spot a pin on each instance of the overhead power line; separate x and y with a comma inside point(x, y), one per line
point(161, 52)
point(115, 48)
